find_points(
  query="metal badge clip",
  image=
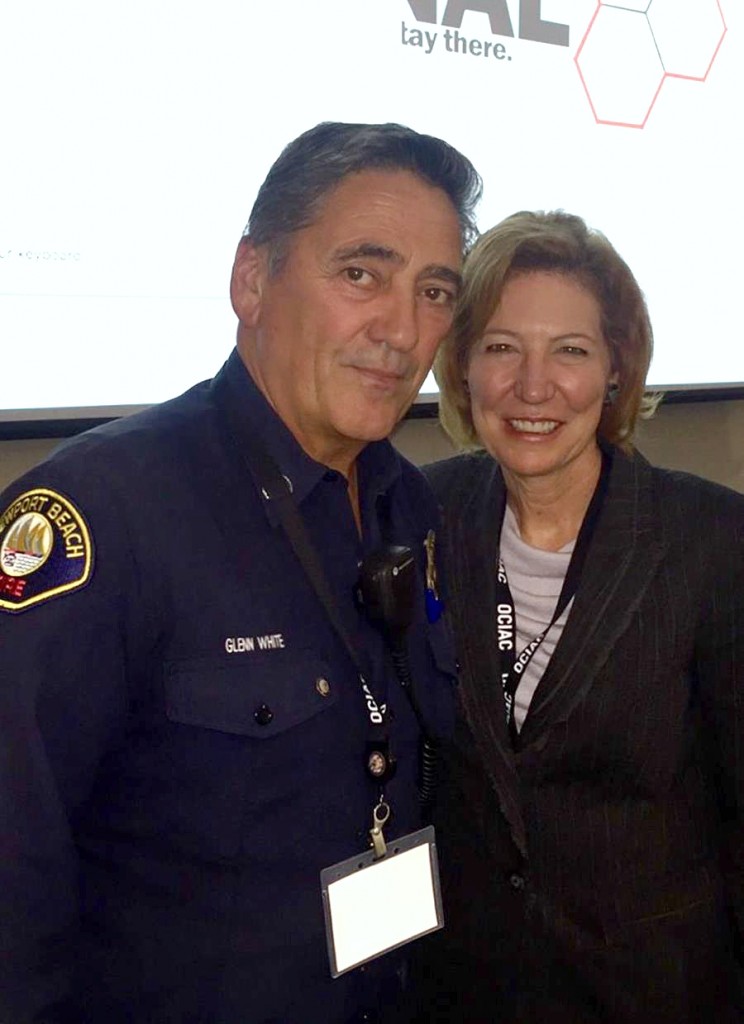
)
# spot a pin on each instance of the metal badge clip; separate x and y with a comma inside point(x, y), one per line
point(380, 815)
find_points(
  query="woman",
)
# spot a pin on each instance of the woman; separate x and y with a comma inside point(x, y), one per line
point(591, 833)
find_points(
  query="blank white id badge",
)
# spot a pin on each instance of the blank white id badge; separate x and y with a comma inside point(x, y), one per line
point(372, 906)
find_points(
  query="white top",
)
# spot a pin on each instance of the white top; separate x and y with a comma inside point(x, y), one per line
point(535, 581)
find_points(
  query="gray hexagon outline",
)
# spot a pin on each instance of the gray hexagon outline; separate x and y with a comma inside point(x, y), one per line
point(676, 74)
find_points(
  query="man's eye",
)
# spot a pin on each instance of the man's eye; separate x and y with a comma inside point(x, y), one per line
point(439, 296)
point(356, 274)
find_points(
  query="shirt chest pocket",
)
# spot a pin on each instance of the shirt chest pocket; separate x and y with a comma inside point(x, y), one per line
point(240, 741)
point(264, 693)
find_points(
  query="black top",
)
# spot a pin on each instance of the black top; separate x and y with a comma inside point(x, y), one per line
point(596, 874)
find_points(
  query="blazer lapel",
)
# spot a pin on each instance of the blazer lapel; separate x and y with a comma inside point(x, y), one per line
point(625, 552)
point(473, 541)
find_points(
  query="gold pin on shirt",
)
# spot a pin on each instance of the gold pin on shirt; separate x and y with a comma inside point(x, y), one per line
point(434, 605)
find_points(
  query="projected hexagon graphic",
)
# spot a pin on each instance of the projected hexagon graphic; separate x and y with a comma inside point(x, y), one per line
point(632, 47)
point(688, 45)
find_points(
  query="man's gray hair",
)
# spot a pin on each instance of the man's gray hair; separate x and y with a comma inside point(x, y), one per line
point(319, 159)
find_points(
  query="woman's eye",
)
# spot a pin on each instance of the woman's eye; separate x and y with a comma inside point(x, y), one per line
point(574, 350)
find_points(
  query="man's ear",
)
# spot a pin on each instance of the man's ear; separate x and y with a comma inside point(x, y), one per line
point(249, 274)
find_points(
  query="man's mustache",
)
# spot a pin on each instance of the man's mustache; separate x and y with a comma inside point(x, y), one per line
point(400, 368)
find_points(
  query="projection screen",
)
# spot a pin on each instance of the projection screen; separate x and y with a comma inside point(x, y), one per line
point(135, 136)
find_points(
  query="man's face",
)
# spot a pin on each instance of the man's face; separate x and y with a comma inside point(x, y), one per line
point(340, 338)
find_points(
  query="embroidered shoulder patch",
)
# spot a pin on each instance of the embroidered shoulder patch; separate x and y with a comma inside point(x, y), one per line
point(45, 549)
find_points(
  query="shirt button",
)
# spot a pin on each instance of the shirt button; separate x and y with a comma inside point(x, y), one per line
point(263, 714)
point(516, 881)
point(322, 686)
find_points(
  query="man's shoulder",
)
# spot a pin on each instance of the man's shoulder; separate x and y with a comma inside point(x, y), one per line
point(125, 447)
point(123, 469)
point(411, 494)
point(96, 497)
point(157, 425)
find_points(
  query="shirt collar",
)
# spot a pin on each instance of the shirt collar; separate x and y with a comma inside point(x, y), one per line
point(378, 464)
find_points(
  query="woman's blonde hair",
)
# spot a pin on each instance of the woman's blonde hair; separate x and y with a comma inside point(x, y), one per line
point(562, 243)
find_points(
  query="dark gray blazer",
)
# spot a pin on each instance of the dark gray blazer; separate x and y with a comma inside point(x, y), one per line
point(597, 872)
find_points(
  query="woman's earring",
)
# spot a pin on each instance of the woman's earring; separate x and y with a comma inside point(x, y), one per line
point(613, 390)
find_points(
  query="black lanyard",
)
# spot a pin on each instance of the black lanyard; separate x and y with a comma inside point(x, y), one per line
point(378, 759)
point(506, 621)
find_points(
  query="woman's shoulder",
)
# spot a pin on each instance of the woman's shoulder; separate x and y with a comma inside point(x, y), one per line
point(716, 512)
point(689, 493)
point(460, 473)
point(682, 503)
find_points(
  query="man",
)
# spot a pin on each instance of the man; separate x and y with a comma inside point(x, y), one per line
point(185, 729)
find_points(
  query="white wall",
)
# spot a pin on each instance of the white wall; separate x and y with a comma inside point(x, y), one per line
point(706, 438)
point(18, 456)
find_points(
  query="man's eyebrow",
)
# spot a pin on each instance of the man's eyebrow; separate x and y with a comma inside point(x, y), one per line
point(444, 273)
point(368, 250)
point(384, 252)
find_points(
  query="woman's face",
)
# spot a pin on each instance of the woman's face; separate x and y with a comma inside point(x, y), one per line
point(538, 377)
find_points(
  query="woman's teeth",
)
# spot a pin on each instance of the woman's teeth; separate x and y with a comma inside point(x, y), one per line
point(534, 426)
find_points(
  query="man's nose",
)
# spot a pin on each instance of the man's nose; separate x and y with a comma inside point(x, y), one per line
point(396, 321)
point(533, 382)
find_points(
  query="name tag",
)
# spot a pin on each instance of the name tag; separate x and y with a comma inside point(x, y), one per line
point(374, 905)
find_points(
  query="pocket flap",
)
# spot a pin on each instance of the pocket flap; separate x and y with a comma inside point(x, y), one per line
point(259, 697)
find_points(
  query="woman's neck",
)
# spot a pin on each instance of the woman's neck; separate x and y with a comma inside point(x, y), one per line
point(550, 509)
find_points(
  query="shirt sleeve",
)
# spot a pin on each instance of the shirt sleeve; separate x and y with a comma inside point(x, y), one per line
point(63, 696)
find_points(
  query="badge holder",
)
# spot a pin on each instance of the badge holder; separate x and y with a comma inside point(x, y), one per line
point(381, 899)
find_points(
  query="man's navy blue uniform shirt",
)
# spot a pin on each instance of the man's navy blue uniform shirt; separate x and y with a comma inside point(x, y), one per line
point(183, 732)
